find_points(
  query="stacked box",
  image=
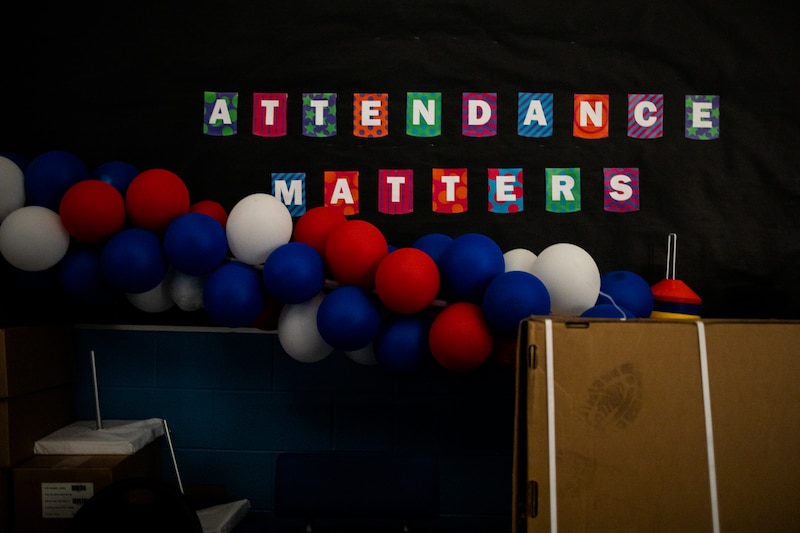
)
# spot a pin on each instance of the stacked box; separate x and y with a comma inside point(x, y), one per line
point(5, 500)
point(657, 425)
point(35, 358)
point(27, 418)
point(37, 374)
point(49, 489)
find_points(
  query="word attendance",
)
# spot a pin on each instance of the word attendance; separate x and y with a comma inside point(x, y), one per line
point(320, 115)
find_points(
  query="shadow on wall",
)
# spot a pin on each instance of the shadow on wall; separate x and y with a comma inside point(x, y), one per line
point(235, 401)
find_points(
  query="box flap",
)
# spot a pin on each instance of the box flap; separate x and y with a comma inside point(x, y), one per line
point(755, 400)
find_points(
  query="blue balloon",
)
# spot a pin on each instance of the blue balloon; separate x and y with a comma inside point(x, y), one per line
point(50, 175)
point(294, 272)
point(468, 265)
point(133, 260)
point(607, 311)
point(347, 318)
point(401, 345)
point(233, 295)
point(119, 174)
point(433, 244)
point(81, 275)
point(628, 290)
point(195, 243)
point(513, 296)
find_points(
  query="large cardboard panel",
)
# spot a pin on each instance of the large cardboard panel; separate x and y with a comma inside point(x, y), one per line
point(6, 503)
point(34, 358)
point(754, 368)
point(49, 489)
point(30, 417)
point(639, 443)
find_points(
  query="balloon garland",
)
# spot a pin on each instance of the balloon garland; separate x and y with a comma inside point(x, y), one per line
point(323, 282)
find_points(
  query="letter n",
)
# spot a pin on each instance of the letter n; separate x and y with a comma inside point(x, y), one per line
point(590, 119)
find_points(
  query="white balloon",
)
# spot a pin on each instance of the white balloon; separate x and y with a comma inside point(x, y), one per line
point(187, 291)
point(519, 259)
point(363, 356)
point(298, 333)
point(571, 277)
point(33, 238)
point(257, 225)
point(156, 300)
point(12, 187)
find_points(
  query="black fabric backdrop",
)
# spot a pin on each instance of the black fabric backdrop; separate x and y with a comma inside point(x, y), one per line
point(124, 81)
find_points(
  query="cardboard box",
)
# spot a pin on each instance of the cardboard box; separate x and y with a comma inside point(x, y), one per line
point(35, 358)
point(49, 489)
point(6, 503)
point(655, 426)
point(30, 417)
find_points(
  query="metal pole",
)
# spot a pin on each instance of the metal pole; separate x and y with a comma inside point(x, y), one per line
point(172, 453)
point(98, 418)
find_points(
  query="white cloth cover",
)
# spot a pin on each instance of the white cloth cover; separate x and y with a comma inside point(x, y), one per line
point(223, 518)
point(118, 437)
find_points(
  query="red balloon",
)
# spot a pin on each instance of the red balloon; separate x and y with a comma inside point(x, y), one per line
point(212, 209)
point(505, 351)
point(353, 252)
point(460, 338)
point(315, 225)
point(268, 319)
point(155, 198)
point(407, 280)
point(92, 211)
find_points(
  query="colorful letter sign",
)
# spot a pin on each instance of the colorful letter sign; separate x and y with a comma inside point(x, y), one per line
point(562, 190)
point(590, 119)
point(702, 117)
point(424, 114)
point(269, 114)
point(449, 190)
point(645, 116)
point(319, 114)
point(220, 113)
point(395, 191)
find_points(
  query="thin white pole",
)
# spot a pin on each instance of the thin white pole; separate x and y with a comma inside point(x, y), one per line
point(172, 453)
point(98, 418)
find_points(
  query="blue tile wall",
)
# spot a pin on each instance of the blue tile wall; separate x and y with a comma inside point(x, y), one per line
point(234, 400)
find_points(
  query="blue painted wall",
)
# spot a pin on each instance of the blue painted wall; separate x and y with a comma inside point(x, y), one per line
point(234, 400)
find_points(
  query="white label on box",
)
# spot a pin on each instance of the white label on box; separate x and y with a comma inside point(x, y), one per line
point(62, 500)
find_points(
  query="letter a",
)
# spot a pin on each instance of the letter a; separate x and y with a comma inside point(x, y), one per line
point(220, 112)
point(535, 114)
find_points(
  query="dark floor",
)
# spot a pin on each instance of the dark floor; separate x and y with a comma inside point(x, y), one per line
point(264, 522)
